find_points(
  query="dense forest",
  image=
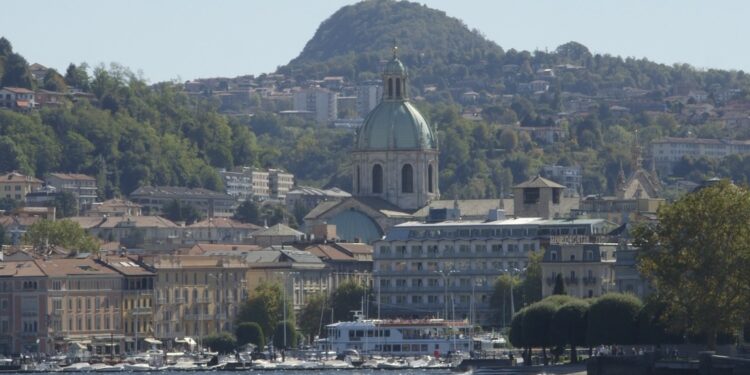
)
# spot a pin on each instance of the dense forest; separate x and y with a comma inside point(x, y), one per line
point(129, 133)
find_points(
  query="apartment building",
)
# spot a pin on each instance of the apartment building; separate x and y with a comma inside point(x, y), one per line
point(668, 151)
point(197, 295)
point(245, 183)
point(588, 268)
point(209, 203)
point(322, 102)
point(279, 183)
point(84, 305)
point(433, 268)
point(15, 186)
point(82, 186)
point(137, 300)
point(23, 310)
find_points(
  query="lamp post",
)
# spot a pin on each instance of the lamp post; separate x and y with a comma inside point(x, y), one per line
point(512, 271)
point(219, 292)
point(444, 274)
point(286, 276)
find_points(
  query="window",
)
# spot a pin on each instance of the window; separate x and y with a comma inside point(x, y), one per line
point(390, 88)
point(358, 181)
point(407, 179)
point(429, 179)
point(530, 195)
point(377, 179)
point(556, 196)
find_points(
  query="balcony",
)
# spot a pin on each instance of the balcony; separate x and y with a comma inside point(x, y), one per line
point(550, 281)
point(571, 280)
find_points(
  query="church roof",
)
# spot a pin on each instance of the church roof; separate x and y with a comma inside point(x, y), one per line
point(395, 125)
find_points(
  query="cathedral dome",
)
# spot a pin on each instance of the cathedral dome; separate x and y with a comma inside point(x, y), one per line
point(395, 124)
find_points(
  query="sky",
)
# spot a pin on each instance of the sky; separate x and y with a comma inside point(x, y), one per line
point(185, 39)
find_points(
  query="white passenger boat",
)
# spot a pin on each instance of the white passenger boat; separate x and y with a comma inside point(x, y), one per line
point(399, 337)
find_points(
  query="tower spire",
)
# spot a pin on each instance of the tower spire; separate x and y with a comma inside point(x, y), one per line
point(395, 48)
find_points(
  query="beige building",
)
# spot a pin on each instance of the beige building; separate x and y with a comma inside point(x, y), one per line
point(137, 300)
point(279, 183)
point(84, 305)
point(197, 295)
point(81, 185)
point(588, 268)
point(15, 186)
point(220, 230)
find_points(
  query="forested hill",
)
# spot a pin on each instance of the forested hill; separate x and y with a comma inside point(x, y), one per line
point(443, 51)
point(370, 27)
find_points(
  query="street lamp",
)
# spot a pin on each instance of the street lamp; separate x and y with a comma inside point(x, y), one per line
point(445, 274)
point(512, 271)
point(286, 276)
point(219, 292)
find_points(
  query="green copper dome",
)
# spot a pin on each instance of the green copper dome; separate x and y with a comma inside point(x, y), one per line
point(395, 124)
point(394, 67)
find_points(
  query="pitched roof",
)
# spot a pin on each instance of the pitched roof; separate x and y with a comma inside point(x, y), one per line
point(210, 248)
point(179, 191)
point(72, 176)
point(539, 182)
point(17, 90)
point(73, 266)
point(355, 247)
point(278, 230)
point(15, 177)
point(470, 208)
point(20, 269)
point(127, 266)
point(223, 222)
point(327, 252)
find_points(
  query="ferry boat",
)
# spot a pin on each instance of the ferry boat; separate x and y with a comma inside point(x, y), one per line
point(398, 337)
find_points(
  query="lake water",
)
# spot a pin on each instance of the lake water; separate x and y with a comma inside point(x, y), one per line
point(319, 372)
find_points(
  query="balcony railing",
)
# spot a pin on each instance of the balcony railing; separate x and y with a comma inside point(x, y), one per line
point(571, 280)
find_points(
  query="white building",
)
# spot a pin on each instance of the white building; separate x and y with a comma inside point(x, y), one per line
point(322, 102)
point(668, 151)
point(368, 97)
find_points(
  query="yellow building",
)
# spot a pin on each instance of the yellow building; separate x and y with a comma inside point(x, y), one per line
point(15, 186)
point(588, 268)
point(197, 295)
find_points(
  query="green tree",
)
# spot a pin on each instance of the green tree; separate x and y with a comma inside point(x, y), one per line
point(53, 81)
point(16, 72)
point(501, 297)
point(179, 211)
point(45, 234)
point(347, 298)
point(532, 282)
point(313, 316)
point(8, 204)
point(291, 335)
point(66, 204)
point(77, 76)
point(569, 326)
point(250, 333)
point(223, 342)
point(248, 212)
point(559, 288)
point(508, 140)
point(612, 320)
point(537, 323)
point(265, 307)
point(12, 157)
point(697, 256)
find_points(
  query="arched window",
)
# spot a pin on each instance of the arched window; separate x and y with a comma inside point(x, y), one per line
point(398, 87)
point(407, 179)
point(390, 88)
point(377, 179)
point(429, 179)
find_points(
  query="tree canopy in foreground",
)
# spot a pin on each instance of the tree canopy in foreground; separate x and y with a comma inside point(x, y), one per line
point(697, 258)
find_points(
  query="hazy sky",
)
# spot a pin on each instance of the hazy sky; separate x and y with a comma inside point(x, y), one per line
point(185, 39)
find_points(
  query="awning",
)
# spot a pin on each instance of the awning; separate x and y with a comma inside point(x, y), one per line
point(152, 341)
